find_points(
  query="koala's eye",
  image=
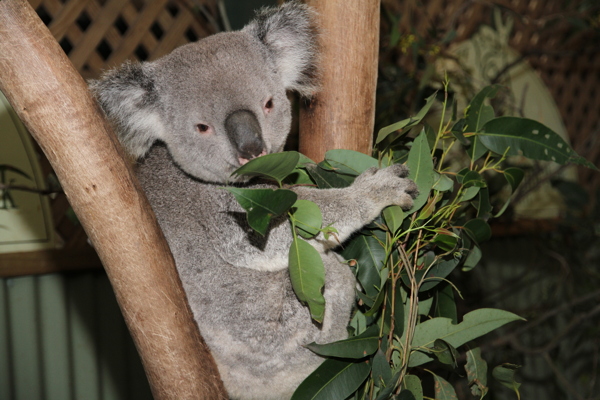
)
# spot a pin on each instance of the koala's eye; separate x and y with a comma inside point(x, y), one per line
point(202, 128)
point(268, 105)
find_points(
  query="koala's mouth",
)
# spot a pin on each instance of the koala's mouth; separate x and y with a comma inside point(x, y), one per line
point(244, 159)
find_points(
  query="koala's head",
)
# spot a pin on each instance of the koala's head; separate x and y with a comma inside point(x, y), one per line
point(218, 102)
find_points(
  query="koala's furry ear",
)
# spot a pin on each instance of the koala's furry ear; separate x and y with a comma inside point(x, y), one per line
point(290, 34)
point(128, 96)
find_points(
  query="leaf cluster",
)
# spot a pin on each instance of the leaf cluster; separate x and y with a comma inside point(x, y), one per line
point(406, 314)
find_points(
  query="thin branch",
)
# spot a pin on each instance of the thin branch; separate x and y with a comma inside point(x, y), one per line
point(29, 189)
point(565, 382)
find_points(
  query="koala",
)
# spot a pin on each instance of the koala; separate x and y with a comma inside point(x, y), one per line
point(193, 117)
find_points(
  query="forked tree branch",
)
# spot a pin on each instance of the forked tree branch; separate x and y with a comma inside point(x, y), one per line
point(55, 105)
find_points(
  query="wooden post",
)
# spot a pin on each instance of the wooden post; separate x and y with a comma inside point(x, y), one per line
point(54, 103)
point(342, 114)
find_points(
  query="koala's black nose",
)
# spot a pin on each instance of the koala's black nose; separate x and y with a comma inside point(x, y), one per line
point(245, 134)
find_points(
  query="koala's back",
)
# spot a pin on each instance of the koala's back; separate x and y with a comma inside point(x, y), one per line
point(250, 318)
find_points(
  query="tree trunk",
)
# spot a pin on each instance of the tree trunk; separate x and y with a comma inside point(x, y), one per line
point(342, 114)
point(53, 101)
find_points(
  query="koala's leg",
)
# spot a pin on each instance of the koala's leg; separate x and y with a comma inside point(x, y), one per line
point(351, 208)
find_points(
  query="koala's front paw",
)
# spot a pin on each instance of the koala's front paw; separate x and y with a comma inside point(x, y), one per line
point(388, 186)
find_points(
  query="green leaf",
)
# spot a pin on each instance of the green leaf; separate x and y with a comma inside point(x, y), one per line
point(407, 123)
point(445, 352)
point(478, 229)
point(445, 239)
point(469, 193)
point(437, 273)
point(307, 274)
point(445, 305)
point(421, 170)
point(473, 258)
point(412, 384)
point(334, 379)
point(370, 257)
point(425, 306)
point(513, 176)
point(393, 216)
point(473, 178)
point(382, 373)
point(356, 347)
point(398, 309)
point(476, 369)
point(307, 218)
point(443, 183)
point(505, 374)
point(483, 205)
point(522, 136)
point(475, 324)
point(350, 162)
point(443, 389)
point(478, 112)
point(263, 204)
point(326, 179)
point(375, 308)
point(275, 166)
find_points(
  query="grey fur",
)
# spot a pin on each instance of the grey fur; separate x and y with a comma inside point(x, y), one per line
point(236, 281)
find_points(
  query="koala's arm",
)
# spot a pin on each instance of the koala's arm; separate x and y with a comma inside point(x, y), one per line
point(351, 208)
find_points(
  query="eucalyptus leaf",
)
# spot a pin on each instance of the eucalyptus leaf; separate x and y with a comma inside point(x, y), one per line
point(445, 306)
point(393, 216)
point(522, 136)
point(276, 166)
point(438, 273)
point(263, 204)
point(350, 162)
point(473, 258)
point(478, 229)
point(457, 131)
point(307, 218)
point(425, 306)
point(405, 124)
point(375, 308)
point(443, 389)
point(421, 170)
point(382, 372)
point(469, 193)
point(334, 379)
point(477, 113)
point(483, 205)
point(307, 274)
point(412, 383)
point(390, 386)
point(445, 239)
point(326, 179)
point(514, 177)
point(473, 178)
point(505, 374)
point(356, 347)
point(476, 369)
point(370, 257)
point(475, 324)
point(445, 352)
point(443, 183)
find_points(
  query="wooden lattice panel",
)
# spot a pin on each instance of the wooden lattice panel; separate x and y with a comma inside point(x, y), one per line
point(99, 34)
point(566, 58)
